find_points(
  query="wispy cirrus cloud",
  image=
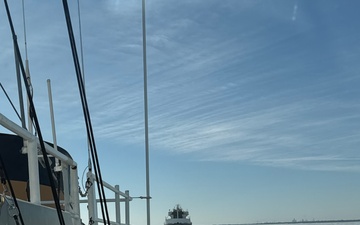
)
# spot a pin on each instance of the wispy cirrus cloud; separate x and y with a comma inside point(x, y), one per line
point(241, 93)
point(294, 12)
point(288, 134)
point(238, 99)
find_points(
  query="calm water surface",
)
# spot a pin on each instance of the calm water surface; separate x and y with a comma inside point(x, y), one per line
point(338, 223)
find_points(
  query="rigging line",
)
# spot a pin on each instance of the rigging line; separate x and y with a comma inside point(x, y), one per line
point(90, 133)
point(81, 43)
point(82, 66)
point(86, 115)
point(26, 49)
point(146, 115)
point(32, 107)
point(23, 13)
point(12, 104)
point(94, 155)
point(30, 122)
point(11, 189)
point(7, 96)
point(20, 93)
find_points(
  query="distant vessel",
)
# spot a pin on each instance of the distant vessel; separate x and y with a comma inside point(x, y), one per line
point(178, 216)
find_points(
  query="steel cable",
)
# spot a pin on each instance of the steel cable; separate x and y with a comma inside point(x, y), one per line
point(86, 112)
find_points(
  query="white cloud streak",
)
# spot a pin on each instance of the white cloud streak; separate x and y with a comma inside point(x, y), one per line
point(294, 12)
point(216, 92)
point(207, 98)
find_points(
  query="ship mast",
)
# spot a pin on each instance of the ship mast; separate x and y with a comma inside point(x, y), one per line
point(146, 116)
point(20, 93)
point(27, 73)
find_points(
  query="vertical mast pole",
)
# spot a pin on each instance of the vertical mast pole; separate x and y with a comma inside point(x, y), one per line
point(146, 116)
point(27, 71)
point(52, 117)
point(21, 100)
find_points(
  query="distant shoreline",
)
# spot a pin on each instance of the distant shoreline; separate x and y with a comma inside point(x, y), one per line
point(298, 222)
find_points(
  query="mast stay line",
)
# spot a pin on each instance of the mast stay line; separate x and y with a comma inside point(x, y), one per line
point(86, 112)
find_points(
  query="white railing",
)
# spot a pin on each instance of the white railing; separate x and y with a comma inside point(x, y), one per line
point(71, 200)
point(69, 170)
point(119, 197)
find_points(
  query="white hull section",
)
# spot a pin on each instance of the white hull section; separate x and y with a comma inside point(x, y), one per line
point(32, 214)
point(177, 221)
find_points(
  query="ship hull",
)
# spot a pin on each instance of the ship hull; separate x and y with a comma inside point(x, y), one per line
point(32, 214)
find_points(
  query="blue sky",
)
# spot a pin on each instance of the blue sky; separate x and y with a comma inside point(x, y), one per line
point(253, 105)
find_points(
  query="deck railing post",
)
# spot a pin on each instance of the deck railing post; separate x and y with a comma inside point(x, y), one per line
point(117, 204)
point(34, 180)
point(74, 193)
point(92, 205)
point(65, 174)
point(127, 208)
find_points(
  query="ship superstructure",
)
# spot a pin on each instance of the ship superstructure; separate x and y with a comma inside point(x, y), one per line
point(178, 216)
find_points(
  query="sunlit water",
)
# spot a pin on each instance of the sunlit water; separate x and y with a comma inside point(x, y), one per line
point(338, 223)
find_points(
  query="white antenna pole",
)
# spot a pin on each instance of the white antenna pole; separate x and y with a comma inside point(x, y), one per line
point(83, 70)
point(57, 163)
point(146, 116)
point(27, 70)
point(21, 101)
point(23, 11)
